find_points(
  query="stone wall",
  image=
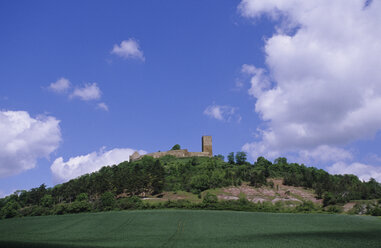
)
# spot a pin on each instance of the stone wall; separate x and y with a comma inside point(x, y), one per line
point(183, 153)
point(177, 153)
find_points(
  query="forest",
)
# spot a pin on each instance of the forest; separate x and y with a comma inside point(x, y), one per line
point(122, 186)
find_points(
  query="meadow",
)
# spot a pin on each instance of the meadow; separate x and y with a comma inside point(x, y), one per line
point(191, 228)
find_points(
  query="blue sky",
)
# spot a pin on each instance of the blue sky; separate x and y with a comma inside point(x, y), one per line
point(87, 83)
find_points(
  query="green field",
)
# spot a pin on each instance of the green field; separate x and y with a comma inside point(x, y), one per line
point(188, 228)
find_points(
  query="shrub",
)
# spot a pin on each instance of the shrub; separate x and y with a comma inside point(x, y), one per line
point(47, 201)
point(107, 201)
point(328, 199)
point(60, 209)
point(133, 202)
point(78, 207)
point(334, 209)
point(210, 198)
point(176, 147)
point(271, 184)
point(10, 210)
point(306, 206)
point(376, 211)
point(82, 197)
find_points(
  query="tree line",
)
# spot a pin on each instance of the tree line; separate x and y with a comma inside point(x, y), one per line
point(122, 186)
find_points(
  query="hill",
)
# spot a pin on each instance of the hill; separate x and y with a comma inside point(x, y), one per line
point(188, 228)
point(208, 183)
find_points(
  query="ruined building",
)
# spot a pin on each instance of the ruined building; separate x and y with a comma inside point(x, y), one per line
point(183, 153)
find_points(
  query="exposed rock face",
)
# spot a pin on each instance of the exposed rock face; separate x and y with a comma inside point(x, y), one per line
point(183, 153)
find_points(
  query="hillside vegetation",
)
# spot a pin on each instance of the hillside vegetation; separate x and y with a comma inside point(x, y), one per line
point(122, 187)
point(188, 228)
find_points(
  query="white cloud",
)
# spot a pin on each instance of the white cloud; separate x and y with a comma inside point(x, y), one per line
point(326, 88)
point(102, 106)
point(24, 139)
point(259, 81)
point(128, 49)
point(87, 92)
point(324, 153)
point(77, 166)
point(222, 113)
point(60, 86)
point(363, 171)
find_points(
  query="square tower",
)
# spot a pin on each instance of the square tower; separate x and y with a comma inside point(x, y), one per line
point(207, 145)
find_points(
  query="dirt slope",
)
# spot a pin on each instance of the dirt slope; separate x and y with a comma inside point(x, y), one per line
point(279, 192)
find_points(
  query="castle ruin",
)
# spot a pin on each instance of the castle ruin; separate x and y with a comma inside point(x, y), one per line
point(207, 151)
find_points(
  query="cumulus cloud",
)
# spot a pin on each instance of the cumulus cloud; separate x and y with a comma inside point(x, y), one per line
point(222, 113)
point(324, 153)
point(60, 86)
point(363, 171)
point(323, 65)
point(259, 80)
point(77, 166)
point(24, 139)
point(128, 49)
point(102, 106)
point(87, 92)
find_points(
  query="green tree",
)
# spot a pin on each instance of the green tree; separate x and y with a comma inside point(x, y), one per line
point(257, 179)
point(231, 158)
point(133, 202)
point(107, 201)
point(82, 197)
point(10, 210)
point(176, 147)
point(47, 201)
point(220, 157)
point(240, 158)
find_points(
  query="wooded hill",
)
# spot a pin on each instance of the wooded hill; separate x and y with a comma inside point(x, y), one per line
point(121, 186)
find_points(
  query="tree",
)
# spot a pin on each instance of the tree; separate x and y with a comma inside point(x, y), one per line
point(257, 179)
point(82, 197)
point(10, 209)
point(231, 158)
point(220, 157)
point(47, 201)
point(240, 158)
point(176, 147)
point(107, 200)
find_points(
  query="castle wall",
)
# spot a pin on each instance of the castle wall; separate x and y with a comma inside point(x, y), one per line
point(183, 153)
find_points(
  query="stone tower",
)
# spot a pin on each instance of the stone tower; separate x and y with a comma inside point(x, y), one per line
point(207, 144)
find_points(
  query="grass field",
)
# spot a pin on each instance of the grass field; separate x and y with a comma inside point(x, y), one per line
point(188, 228)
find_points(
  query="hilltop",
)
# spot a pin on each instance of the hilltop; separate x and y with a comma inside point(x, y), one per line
point(200, 183)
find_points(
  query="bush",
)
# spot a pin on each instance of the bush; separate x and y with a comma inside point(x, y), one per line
point(132, 202)
point(10, 210)
point(35, 211)
point(82, 197)
point(78, 207)
point(47, 201)
point(176, 147)
point(107, 201)
point(257, 179)
point(271, 184)
point(306, 206)
point(328, 199)
point(376, 211)
point(210, 198)
point(334, 209)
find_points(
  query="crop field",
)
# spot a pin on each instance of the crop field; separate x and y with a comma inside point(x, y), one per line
point(191, 228)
